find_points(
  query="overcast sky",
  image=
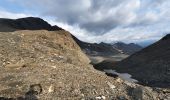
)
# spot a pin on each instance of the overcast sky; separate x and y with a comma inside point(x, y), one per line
point(98, 20)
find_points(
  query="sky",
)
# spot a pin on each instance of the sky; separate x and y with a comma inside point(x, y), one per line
point(98, 20)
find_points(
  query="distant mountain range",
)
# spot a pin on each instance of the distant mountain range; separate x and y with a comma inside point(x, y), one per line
point(106, 49)
point(127, 48)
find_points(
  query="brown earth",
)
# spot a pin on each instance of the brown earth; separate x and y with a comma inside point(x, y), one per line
point(43, 65)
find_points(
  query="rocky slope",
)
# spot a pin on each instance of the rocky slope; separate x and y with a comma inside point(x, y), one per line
point(151, 66)
point(49, 65)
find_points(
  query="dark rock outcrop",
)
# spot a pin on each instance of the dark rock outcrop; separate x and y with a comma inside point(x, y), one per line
point(29, 23)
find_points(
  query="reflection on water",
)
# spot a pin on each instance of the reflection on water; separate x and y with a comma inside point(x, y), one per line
point(124, 76)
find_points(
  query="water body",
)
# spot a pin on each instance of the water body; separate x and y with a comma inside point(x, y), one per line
point(124, 76)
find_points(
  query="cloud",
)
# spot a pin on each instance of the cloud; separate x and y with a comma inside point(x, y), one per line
point(105, 20)
point(6, 14)
point(97, 16)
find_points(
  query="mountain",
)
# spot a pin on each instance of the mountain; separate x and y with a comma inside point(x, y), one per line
point(33, 23)
point(99, 52)
point(39, 63)
point(29, 23)
point(127, 48)
point(102, 49)
point(151, 66)
point(106, 49)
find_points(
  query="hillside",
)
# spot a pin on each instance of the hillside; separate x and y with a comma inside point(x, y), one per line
point(151, 65)
point(49, 65)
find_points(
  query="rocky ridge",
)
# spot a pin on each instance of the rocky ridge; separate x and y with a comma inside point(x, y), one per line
point(28, 23)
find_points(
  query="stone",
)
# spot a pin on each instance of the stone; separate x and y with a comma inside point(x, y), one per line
point(111, 86)
point(51, 89)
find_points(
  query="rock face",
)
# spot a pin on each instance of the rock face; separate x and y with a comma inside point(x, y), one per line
point(151, 66)
point(49, 65)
